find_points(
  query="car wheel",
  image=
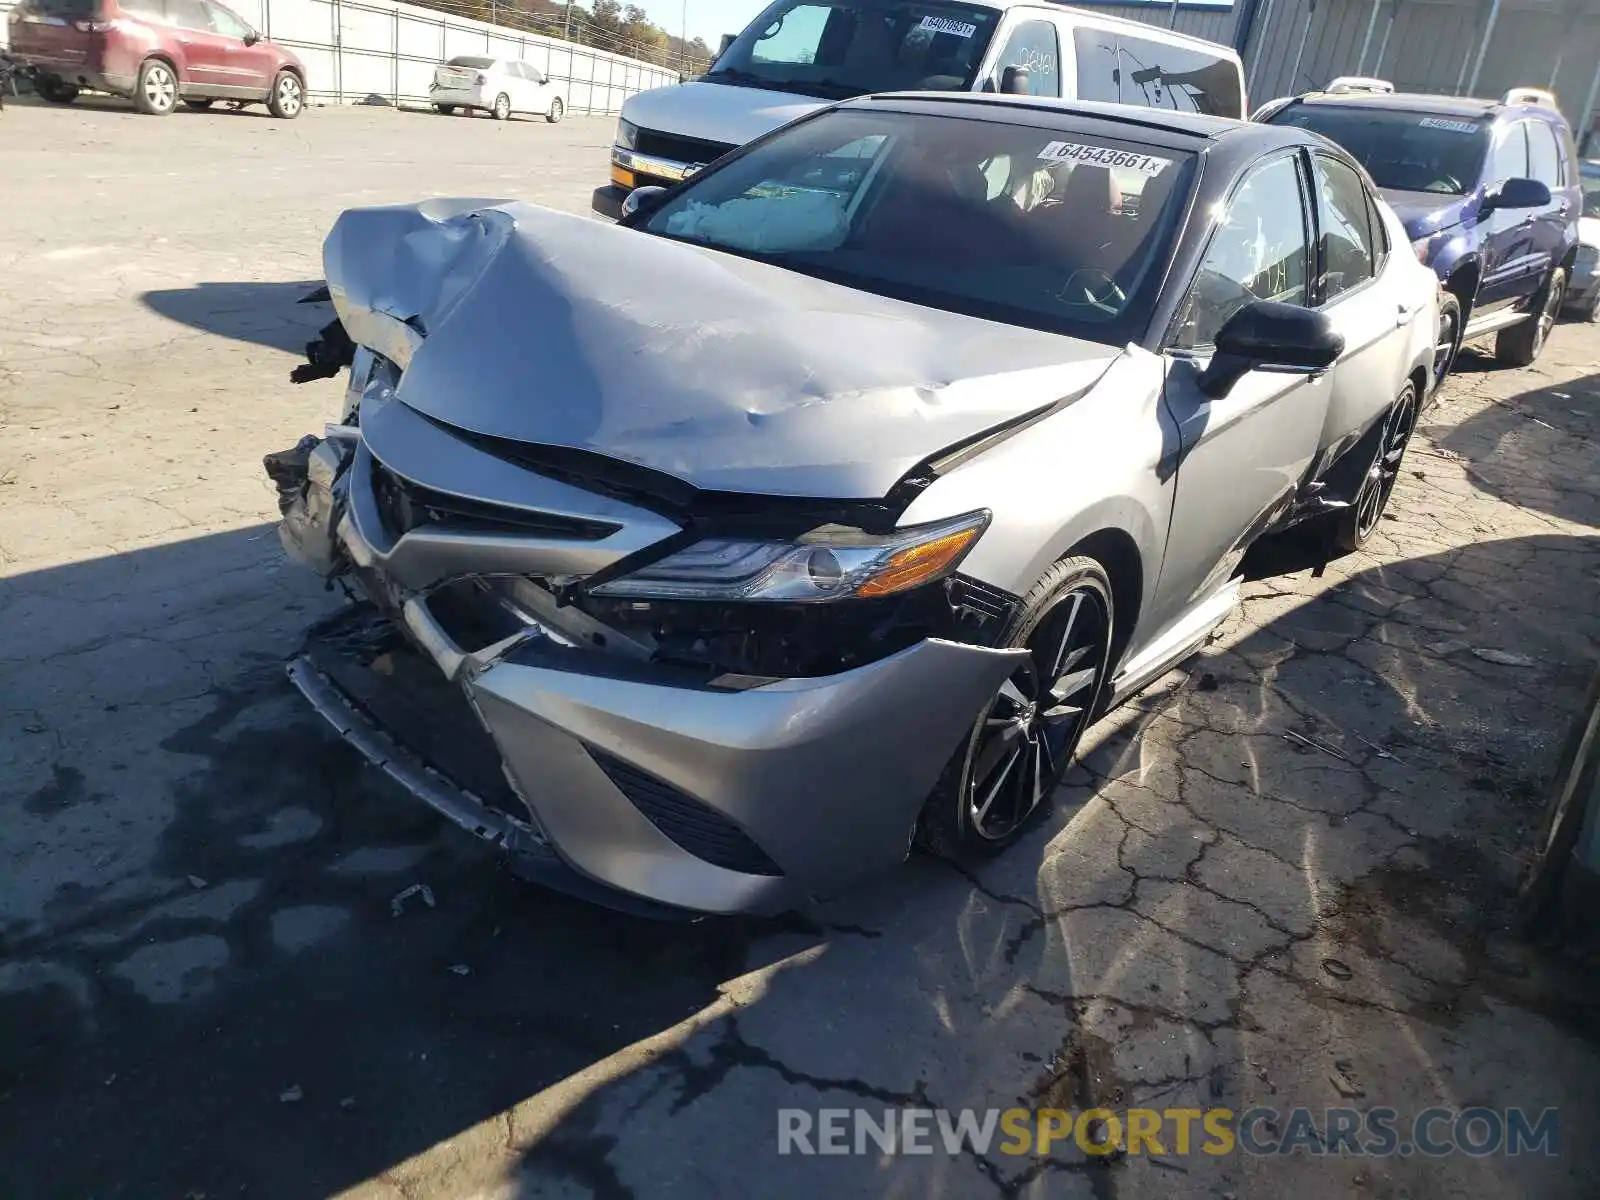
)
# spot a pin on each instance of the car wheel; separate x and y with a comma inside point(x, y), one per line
point(1592, 312)
point(56, 91)
point(156, 92)
point(1521, 345)
point(1448, 342)
point(198, 105)
point(557, 111)
point(1357, 523)
point(445, 109)
point(502, 107)
point(1023, 741)
point(288, 96)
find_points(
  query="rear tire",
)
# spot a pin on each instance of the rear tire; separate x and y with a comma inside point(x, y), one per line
point(444, 109)
point(557, 111)
point(288, 96)
point(156, 92)
point(1003, 773)
point(502, 108)
point(1521, 345)
point(56, 91)
point(198, 105)
point(1356, 524)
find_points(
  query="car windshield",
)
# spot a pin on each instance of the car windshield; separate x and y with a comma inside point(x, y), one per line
point(851, 47)
point(467, 60)
point(1589, 177)
point(1044, 227)
point(1406, 151)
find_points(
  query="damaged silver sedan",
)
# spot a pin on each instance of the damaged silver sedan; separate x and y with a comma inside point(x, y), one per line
point(711, 560)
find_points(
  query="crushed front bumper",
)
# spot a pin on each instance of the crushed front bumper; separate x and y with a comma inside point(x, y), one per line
point(623, 774)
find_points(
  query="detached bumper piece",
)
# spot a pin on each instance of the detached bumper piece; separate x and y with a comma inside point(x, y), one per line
point(392, 705)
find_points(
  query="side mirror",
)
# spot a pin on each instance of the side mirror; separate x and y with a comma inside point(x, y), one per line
point(1014, 81)
point(1515, 193)
point(251, 38)
point(1268, 336)
point(722, 46)
point(642, 201)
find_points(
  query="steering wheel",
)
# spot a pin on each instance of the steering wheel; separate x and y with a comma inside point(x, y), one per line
point(1091, 287)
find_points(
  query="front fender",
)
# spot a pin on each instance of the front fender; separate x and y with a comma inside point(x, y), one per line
point(1104, 461)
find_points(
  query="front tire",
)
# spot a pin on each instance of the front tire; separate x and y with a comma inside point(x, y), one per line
point(557, 111)
point(1357, 523)
point(1022, 743)
point(288, 97)
point(1447, 342)
point(444, 109)
point(502, 107)
point(1521, 345)
point(156, 92)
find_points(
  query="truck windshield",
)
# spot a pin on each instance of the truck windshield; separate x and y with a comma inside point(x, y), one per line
point(1048, 228)
point(840, 48)
point(1406, 151)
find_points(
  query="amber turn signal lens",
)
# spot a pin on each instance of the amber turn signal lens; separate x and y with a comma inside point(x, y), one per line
point(621, 176)
point(918, 564)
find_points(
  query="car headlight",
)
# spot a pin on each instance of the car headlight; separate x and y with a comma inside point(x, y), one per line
point(627, 135)
point(832, 562)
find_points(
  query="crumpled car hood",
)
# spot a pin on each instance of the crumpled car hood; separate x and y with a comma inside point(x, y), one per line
point(729, 374)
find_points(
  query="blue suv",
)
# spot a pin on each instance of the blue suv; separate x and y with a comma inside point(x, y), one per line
point(1489, 195)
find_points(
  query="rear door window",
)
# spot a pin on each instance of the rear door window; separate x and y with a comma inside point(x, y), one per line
point(1098, 76)
point(189, 14)
point(1344, 213)
point(1163, 75)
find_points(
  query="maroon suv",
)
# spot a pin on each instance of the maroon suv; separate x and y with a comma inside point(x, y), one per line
point(155, 51)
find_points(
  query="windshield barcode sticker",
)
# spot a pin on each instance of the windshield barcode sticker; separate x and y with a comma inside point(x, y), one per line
point(946, 25)
point(1452, 126)
point(1103, 156)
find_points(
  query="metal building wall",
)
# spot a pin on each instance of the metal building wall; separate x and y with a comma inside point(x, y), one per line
point(1427, 46)
point(1212, 22)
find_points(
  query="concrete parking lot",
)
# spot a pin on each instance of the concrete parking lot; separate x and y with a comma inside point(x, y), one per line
point(1280, 878)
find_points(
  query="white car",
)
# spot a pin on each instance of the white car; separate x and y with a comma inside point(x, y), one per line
point(498, 86)
point(1583, 292)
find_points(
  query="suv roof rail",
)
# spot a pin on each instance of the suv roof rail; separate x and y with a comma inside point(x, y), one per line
point(1536, 96)
point(1366, 84)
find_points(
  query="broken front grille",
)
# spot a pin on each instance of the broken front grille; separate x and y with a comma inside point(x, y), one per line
point(404, 506)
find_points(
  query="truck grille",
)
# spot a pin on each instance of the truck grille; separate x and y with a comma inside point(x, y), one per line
point(678, 149)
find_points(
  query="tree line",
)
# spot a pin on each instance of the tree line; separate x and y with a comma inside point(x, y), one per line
point(605, 25)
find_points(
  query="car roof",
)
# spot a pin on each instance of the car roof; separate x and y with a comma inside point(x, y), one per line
point(1420, 102)
point(1178, 130)
point(1140, 28)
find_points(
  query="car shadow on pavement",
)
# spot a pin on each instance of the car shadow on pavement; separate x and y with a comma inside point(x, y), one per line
point(235, 981)
point(1537, 449)
point(267, 314)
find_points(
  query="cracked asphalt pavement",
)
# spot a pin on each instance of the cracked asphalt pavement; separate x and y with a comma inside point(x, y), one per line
point(1279, 877)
